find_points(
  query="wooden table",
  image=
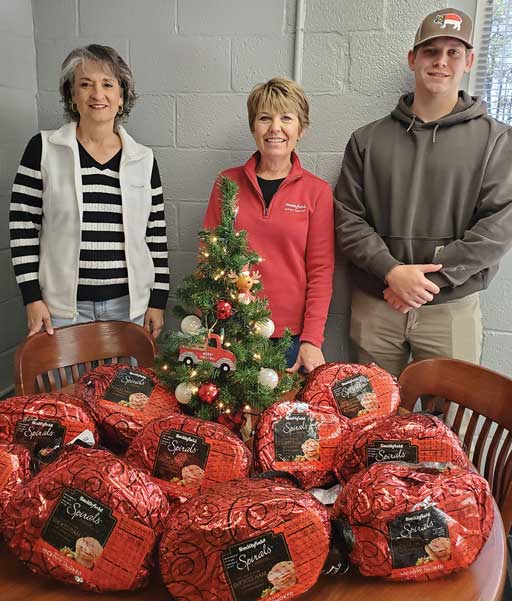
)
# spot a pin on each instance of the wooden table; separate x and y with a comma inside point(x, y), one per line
point(483, 581)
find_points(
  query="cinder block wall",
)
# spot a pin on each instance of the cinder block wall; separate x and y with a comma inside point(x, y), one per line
point(18, 122)
point(195, 61)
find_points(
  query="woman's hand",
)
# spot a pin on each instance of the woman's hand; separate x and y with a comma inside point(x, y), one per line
point(38, 318)
point(309, 357)
point(154, 321)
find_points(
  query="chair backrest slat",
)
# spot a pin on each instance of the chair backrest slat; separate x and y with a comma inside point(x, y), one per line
point(485, 402)
point(43, 363)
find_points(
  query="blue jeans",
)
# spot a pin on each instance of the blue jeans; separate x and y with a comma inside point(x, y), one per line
point(116, 309)
point(293, 351)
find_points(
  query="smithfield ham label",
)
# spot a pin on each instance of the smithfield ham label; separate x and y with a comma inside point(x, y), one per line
point(296, 438)
point(130, 388)
point(181, 458)
point(259, 567)
point(418, 538)
point(355, 396)
point(79, 527)
point(41, 436)
point(391, 450)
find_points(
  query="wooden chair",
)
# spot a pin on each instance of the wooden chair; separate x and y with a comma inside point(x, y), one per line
point(45, 363)
point(484, 400)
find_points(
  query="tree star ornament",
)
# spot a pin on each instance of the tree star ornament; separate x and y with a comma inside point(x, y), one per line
point(268, 377)
point(208, 392)
point(191, 325)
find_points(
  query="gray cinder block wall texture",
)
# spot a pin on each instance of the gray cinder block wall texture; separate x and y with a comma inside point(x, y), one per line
point(18, 122)
point(195, 61)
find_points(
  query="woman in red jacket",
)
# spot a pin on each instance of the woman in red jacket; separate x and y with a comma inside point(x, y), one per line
point(288, 214)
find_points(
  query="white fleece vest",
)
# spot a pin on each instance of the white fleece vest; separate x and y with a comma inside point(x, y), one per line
point(62, 220)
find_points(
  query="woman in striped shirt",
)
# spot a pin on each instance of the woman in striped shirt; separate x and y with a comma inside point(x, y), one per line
point(88, 236)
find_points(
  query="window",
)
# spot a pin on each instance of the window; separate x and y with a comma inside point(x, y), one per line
point(492, 75)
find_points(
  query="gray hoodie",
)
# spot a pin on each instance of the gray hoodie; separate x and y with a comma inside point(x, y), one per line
point(414, 192)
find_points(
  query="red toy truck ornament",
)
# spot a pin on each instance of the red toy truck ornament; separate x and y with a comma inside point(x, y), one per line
point(211, 351)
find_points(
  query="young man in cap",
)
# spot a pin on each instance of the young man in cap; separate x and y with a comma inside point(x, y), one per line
point(424, 209)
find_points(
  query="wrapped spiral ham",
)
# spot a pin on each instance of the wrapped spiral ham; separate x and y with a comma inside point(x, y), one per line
point(44, 423)
point(89, 519)
point(245, 540)
point(414, 438)
point(410, 522)
point(15, 469)
point(185, 455)
point(123, 400)
point(293, 437)
point(360, 393)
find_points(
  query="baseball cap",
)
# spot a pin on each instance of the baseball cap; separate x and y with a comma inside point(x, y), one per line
point(447, 22)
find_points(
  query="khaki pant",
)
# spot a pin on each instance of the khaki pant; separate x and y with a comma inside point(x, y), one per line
point(389, 338)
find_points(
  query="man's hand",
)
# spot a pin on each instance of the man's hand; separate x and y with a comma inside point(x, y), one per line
point(38, 317)
point(395, 302)
point(411, 285)
point(154, 321)
point(310, 356)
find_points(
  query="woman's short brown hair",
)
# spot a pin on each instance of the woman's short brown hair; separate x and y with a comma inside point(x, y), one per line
point(104, 55)
point(281, 95)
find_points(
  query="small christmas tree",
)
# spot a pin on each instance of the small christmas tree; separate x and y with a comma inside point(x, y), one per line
point(222, 364)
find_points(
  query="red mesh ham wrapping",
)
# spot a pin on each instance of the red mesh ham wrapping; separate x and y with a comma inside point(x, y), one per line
point(361, 393)
point(43, 423)
point(415, 522)
point(88, 519)
point(414, 438)
point(243, 541)
point(15, 468)
point(124, 399)
point(186, 455)
point(293, 437)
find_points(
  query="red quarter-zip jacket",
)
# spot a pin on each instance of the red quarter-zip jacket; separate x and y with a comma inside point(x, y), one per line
point(295, 238)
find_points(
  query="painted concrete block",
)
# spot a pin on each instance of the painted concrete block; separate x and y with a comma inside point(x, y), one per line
point(379, 63)
point(10, 156)
point(326, 62)
point(213, 121)
point(497, 352)
point(146, 19)
point(50, 110)
point(17, 63)
point(172, 223)
point(190, 174)
point(52, 52)
point(18, 120)
point(5, 273)
point(6, 375)
point(16, 18)
point(182, 264)
point(191, 215)
point(14, 329)
point(336, 345)
point(344, 15)
point(181, 64)
point(329, 166)
point(496, 306)
point(334, 118)
point(152, 120)
point(258, 59)
point(230, 16)
point(4, 220)
point(55, 18)
point(403, 15)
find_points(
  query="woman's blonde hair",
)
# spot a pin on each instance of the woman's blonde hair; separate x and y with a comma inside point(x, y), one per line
point(280, 95)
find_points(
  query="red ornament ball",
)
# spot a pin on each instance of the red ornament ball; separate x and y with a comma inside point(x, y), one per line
point(223, 309)
point(208, 392)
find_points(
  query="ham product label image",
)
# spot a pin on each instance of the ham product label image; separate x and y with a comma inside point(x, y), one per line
point(259, 567)
point(130, 389)
point(391, 450)
point(354, 396)
point(296, 438)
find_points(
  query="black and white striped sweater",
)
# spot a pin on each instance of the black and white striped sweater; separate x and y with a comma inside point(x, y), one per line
point(103, 272)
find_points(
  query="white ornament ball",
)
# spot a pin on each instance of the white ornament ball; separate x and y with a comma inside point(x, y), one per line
point(265, 328)
point(191, 325)
point(268, 377)
point(184, 392)
point(244, 299)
